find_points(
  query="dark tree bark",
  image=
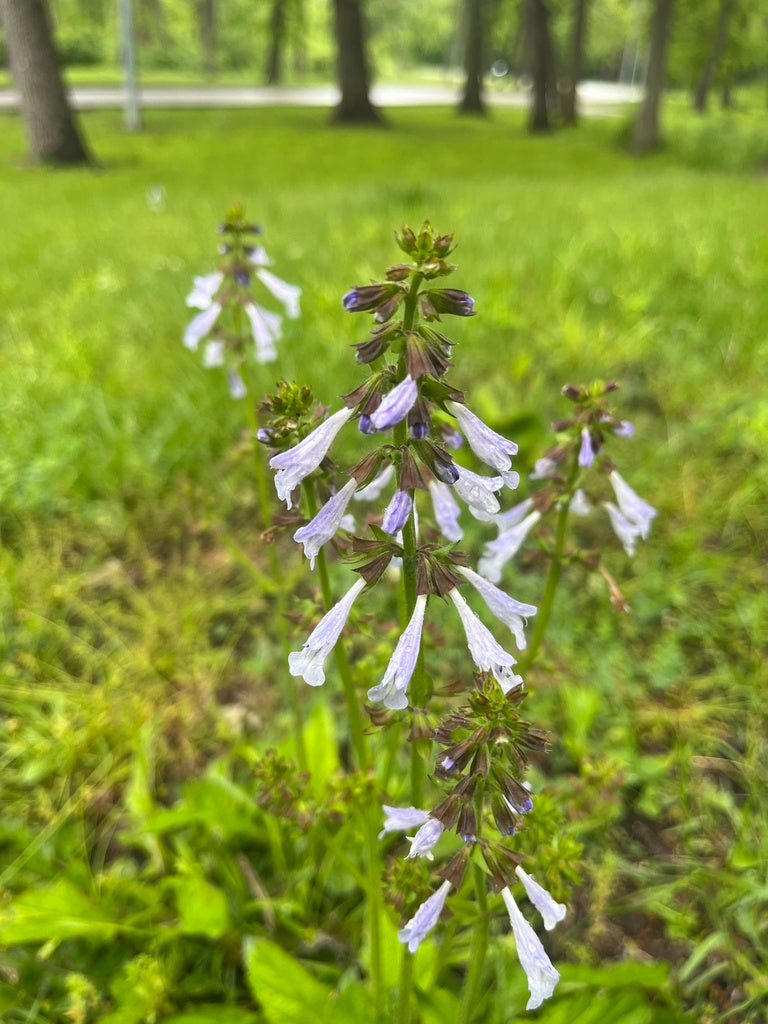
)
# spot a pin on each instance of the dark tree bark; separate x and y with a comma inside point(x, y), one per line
point(726, 94)
point(715, 55)
point(52, 128)
point(474, 16)
point(277, 22)
point(206, 26)
point(568, 103)
point(645, 135)
point(540, 55)
point(352, 65)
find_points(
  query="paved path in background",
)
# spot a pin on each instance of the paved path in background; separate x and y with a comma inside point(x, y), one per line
point(596, 98)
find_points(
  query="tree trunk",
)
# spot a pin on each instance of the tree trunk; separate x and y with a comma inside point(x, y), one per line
point(206, 26)
point(52, 128)
point(646, 131)
point(276, 43)
point(726, 94)
point(714, 57)
point(540, 51)
point(472, 100)
point(352, 65)
point(578, 34)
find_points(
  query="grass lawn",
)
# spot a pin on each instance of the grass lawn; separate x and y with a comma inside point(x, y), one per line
point(136, 640)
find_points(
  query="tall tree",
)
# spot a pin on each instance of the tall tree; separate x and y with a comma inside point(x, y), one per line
point(645, 135)
point(541, 54)
point(715, 55)
point(352, 65)
point(52, 128)
point(206, 27)
point(472, 99)
point(277, 23)
point(578, 35)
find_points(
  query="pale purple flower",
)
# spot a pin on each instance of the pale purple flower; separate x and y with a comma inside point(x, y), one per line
point(397, 512)
point(258, 257)
point(451, 438)
point(237, 388)
point(426, 839)
point(586, 451)
point(632, 507)
point(626, 532)
point(487, 653)
point(213, 354)
point(391, 689)
point(399, 819)
point(374, 489)
point(288, 294)
point(624, 429)
point(513, 515)
point(204, 290)
point(509, 611)
point(266, 328)
point(325, 524)
point(348, 522)
point(424, 920)
point(296, 463)
point(446, 510)
point(551, 912)
point(542, 976)
point(543, 469)
point(497, 553)
point(491, 448)
point(308, 662)
point(396, 404)
point(579, 505)
point(478, 492)
point(202, 324)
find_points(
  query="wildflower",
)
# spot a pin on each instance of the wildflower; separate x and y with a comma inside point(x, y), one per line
point(487, 654)
point(398, 819)
point(298, 462)
point(491, 448)
point(451, 300)
point(626, 532)
point(368, 297)
point(542, 976)
point(498, 552)
point(204, 290)
point(551, 912)
point(514, 515)
point(543, 468)
point(397, 512)
point(201, 325)
point(586, 451)
point(372, 490)
point(391, 689)
point(632, 507)
point(396, 405)
point(446, 510)
point(266, 329)
point(478, 492)
point(424, 920)
point(505, 608)
point(579, 504)
point(426, 838)
point(237, 388)
point(288, 294)
point(624, 429)
point(213, 354)
point(308, 662)
point(325, 524)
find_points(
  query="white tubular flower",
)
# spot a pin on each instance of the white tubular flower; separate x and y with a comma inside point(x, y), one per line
point(325, 524)
point(199, 326)
point(543, 469)
point(487, 654)
point(374, 489)
point(446, 510)
point(579, 505)
point(205, 288)
point(490, 447)
point(626, 532)
point(425, 839)
point(258, 257)
point(396, 404)
point(294, 465)
point(514, 515)
point(397, 512)
point(266, 328)
point(551, 912)
point(478, 492)
point(398, 819)
point(631, 506)
point(586, 451)
point(237, 388)
point(424, 920)
point(497, 553)
point(542, 976)
point(288, 294)
point(391, 689)
point(509, 611)
point(308, 662)
point(213, 354)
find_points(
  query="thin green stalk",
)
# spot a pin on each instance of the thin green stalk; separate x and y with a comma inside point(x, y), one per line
point(477, 951)
point(406, 975)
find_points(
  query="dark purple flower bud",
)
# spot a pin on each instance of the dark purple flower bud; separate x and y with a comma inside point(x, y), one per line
point(397, 512)
point(453, 301)
point(242, 276)
point(445, 471)
point(420, 430)
point(265, 435)
point(451, 438)
point(365, 426)
point(367, 297)
point(624, 429)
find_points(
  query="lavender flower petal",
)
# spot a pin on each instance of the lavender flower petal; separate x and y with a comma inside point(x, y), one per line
point(424, 920)
point(205, 288)
point(237, 388)
point(199, 326)
point(296, 463)
point(446, 510)
point(497, 553)
point(391, 689)
point(626, 531)
point(505, 608)
point(396, 405)
point(399, 819)
point(490, 447)
point(397, 512)
point(579, 505)
point(631, 505)
point(542, 976)
point(213, 354)
point(586, 451)
point(487, 654)
point(325, 524)
point(425, 839)
point(478, 492)
point(288, 294)
point(543, 469)
point(373, 490)
point(308, 662)
point(266, 328)
point(551, 912)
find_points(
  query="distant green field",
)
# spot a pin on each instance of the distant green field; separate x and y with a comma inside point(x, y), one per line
point(126, 507)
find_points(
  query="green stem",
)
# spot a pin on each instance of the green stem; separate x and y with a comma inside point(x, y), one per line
point(477, 951)
point(406, 975)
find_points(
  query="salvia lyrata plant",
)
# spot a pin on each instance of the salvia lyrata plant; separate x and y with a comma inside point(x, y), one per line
point(422, 440)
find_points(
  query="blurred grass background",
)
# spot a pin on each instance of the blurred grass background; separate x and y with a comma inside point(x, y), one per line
point(127, 509)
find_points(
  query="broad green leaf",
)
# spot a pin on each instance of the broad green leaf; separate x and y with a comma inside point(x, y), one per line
point(52, 914)
point(213, 1015)
point(286, 991)
point(203, 908)
point(320, 746)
